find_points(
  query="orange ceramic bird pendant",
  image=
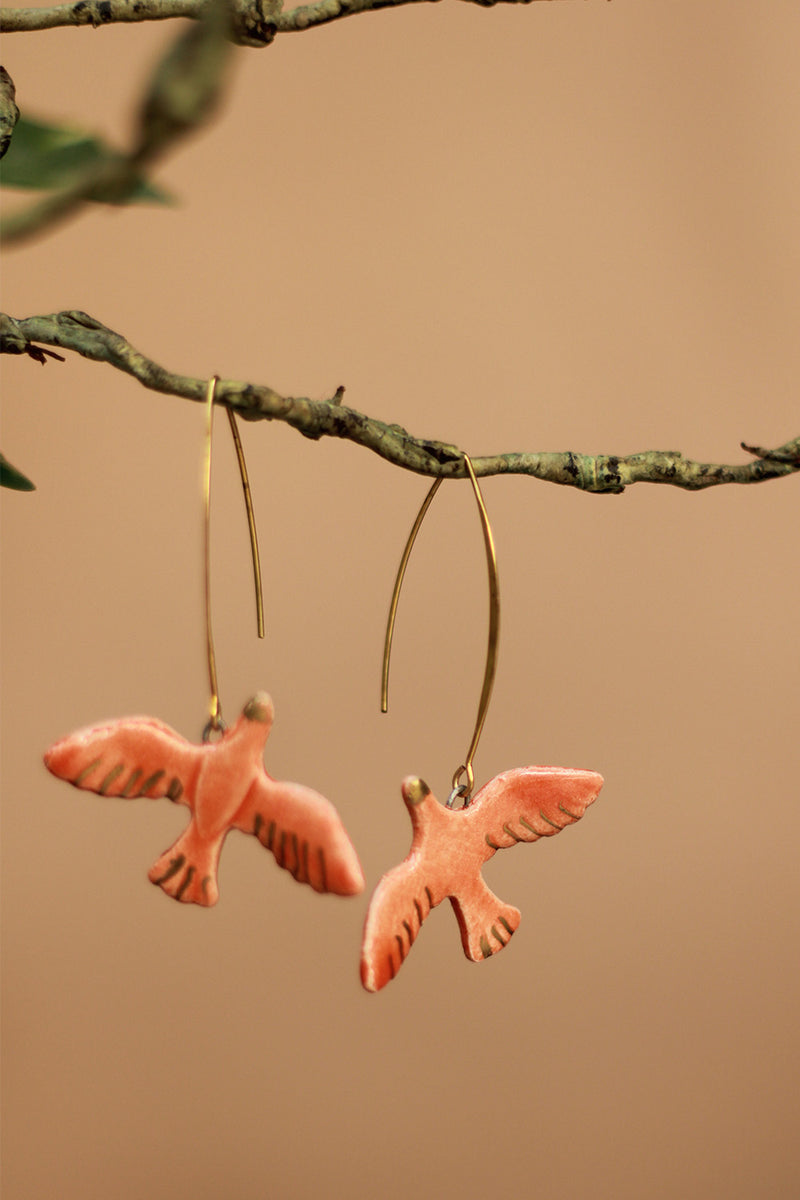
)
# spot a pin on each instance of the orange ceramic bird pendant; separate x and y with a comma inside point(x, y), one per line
point(226, 787)
point(448, 849)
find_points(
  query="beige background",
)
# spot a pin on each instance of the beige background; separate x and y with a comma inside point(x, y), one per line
point(560, 226)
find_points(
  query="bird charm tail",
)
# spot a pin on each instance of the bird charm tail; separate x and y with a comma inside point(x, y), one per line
point(486, 923)
point(188, 870)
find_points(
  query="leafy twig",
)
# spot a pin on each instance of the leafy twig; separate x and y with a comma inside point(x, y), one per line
point(11, 477)
point(315, 419)
point(184, 90)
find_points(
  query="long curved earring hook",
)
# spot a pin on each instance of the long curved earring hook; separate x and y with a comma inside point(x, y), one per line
point(465, 771)
point(215, 722)
point(251, 520)
point(398, 583)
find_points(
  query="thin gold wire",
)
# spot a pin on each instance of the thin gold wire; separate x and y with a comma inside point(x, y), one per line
point(493, 637)
point(466, 769)
point(398, 583)
point(251, 521)
point(215, 722)
point(215, 714)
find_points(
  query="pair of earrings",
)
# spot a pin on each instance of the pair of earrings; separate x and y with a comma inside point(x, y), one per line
point(225, 785)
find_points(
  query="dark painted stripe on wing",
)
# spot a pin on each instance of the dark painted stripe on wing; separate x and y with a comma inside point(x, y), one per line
point(150, 782)
point(132, 782)
point(537, 832)
point(112, 775)
point(566, 811)
point(78, 780)
point(549, 822)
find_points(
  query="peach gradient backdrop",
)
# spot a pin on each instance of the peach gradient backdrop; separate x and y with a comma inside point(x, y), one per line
point(568, 225)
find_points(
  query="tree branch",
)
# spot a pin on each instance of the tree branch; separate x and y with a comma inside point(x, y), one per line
point(88, 337)
point(255, 22)
point(95, 13)
point(306, 16)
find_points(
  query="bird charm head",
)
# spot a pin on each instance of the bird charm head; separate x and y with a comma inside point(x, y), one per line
point(254, 723)
point(260, 708)
point(414, 790)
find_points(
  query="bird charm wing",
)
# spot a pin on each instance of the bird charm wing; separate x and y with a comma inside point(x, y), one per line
point(135, 756)
point(304, 832)
point(528, 803)
point(399, 905)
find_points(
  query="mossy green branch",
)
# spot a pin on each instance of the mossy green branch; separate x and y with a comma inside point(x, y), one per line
point(599, 473)
point(255, 22)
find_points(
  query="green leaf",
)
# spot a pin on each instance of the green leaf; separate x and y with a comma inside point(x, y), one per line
point(10, 477)
point(57, 156)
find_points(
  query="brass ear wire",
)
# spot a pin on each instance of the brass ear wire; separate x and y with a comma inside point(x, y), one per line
point(215, 723)
point(251, 520)
point(462, 789)
point(398, 583)
point(491, 645)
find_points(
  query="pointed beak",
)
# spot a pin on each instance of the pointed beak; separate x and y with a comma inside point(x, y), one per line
point(260, 709)
point(414, 790)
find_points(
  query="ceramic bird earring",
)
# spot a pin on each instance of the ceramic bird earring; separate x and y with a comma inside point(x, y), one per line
point(222, 780)
point(450, 845)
